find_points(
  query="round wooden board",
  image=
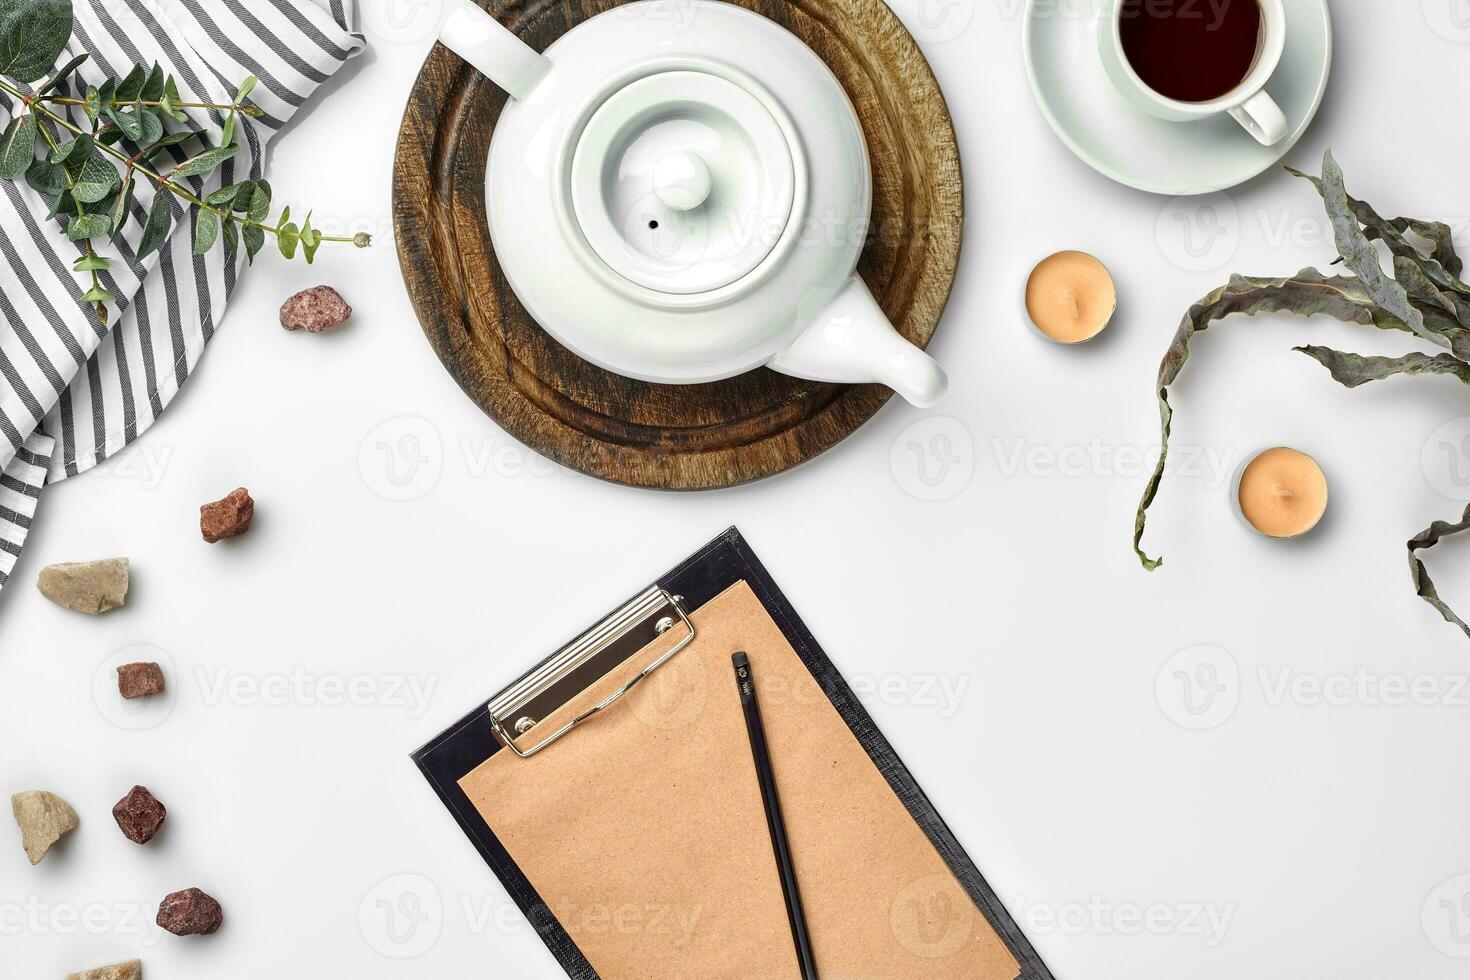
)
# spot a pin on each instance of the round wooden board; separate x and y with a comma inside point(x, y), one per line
point(678, 437)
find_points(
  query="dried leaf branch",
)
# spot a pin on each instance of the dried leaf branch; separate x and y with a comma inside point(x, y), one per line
point(1425, 296)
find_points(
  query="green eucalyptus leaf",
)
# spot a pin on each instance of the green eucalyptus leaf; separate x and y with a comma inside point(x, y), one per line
point(106, 93)
point(75, 149)
point(246, 87)
point(156, 227)
point(128, 121)
point(119, 210)
point(226, 195)
point(166, 140)
point(1306, 294)
point(97, 295)
point(92, 102)
point(61, 204)
point(33, 34)
point(1352, 370)
point(254, 240)
point(46, 177)
point(260, 202)
point(61, 76)
point(90, 262)
point(311, 240)
point(152, 127)
point(1423, 584)
point(205, 162)
point(206, 230)
point(231, 233)
point(87, 225)
point(227, 131)
point(287, 239)
point(18, 145)
point(153, 85)
point(129, 89)
point(93, 178)
point(170, 100)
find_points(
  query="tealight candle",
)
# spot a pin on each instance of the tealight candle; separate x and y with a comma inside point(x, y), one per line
point(1070, 297)
point(1282, 493)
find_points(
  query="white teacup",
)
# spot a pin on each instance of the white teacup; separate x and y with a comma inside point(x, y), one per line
point(1248, 102)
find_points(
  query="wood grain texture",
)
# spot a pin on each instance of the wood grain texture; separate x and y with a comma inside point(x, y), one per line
point(678, 437)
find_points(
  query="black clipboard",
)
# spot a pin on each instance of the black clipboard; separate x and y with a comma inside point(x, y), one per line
point(462, 747)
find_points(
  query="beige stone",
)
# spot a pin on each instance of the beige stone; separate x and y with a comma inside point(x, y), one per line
point(44, 819)
point(86, 586)
point(131, 970)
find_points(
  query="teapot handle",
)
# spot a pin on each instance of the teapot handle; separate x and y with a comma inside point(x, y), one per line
point(485, 43)
point(851, 341)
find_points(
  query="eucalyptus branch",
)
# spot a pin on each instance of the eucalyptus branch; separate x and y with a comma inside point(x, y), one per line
point(133, 120)
point(253, 111)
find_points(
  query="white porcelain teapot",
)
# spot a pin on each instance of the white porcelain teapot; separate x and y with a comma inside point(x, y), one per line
point(679, 192)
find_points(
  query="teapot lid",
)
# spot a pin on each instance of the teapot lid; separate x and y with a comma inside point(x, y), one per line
point(683, 181)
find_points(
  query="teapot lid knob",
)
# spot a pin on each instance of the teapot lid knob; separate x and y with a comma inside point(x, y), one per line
point(681, 180)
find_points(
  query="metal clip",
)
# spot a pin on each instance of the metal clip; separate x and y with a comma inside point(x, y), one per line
point(574, 668)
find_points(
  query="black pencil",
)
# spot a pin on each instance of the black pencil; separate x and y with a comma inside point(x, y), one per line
point(774, 823)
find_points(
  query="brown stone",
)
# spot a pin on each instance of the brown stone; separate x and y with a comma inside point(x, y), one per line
point(228, 516)
point(139, 680)
point(131, 970)
point(44, 819)
point(87, 586)
point(314, 310)
point(139, 815)
point(190, 913)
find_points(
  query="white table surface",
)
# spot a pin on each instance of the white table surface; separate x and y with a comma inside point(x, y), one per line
point(1013, 650)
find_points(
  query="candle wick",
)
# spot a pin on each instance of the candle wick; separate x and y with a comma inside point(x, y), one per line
point(1076, 310)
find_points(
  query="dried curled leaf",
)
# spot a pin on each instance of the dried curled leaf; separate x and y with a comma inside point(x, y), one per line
point(1352, 370)
point(1307, 294)
point(1423, 584)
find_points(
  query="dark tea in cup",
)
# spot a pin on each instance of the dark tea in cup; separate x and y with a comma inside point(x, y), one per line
point(1191, 50)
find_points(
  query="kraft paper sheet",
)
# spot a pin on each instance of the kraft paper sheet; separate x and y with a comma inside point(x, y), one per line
point(643, 830)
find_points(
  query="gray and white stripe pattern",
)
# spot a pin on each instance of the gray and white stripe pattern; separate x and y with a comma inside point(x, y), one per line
point(73, 391)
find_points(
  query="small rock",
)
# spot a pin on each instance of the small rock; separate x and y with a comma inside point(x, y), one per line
point(44, 819)
point(131, 970)
point(139, 680)
point(190, 913)
point(139, 815)
point(314, 310)
point(227, 517)
point(86, 586)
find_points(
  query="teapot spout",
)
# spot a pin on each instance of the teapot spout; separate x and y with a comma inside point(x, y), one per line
point(481, 40)
point(851, 341)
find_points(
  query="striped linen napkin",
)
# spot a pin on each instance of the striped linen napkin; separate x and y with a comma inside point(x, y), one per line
point(75, 391)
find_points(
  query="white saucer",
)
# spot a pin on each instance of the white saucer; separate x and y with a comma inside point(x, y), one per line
point(1060, 42)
